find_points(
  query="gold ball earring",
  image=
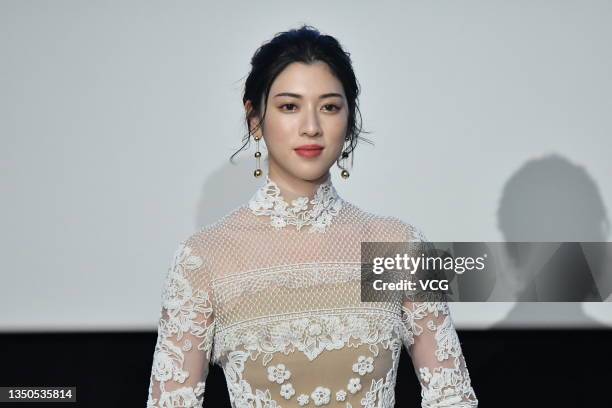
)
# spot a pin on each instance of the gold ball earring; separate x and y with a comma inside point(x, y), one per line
point(257, 172)
point(344, 173)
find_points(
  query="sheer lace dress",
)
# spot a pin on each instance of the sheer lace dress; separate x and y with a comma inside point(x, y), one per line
point(271, 293)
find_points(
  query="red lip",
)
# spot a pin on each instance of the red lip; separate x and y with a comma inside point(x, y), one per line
point(309, 147)
point(308, 151)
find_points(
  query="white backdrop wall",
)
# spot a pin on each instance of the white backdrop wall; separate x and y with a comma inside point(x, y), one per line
point(118, 120)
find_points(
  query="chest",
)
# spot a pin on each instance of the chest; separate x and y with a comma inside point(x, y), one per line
point(304, 307)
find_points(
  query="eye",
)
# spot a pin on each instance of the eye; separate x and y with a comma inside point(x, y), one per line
point(331, 107)
point(288, 104)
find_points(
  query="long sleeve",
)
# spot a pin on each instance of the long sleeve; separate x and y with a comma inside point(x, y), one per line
point(433, 346)
point(435, 350)
point(185, 333)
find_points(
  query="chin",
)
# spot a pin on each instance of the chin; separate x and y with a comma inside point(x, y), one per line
point(311, 173)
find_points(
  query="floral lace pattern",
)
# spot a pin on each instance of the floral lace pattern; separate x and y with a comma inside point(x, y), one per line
point(285, 322)
point(311, 334)
point(326, 203)
point(380, 394)
point(449, 384)
point(446, 386)
point(182, 320)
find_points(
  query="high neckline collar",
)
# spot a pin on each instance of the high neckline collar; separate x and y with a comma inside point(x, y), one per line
point(324, 205)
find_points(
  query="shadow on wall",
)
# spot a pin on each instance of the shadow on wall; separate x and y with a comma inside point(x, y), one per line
point(550, 199)
point(226, 189)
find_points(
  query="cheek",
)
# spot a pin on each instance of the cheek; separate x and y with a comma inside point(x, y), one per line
point(337, 149)
point(337, 125)
point(279, 123)
point(274, 129)
point(336, 130)
point(277, 131)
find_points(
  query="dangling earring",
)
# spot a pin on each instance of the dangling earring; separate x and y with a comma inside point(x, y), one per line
point(257, 172)
point(344, 173)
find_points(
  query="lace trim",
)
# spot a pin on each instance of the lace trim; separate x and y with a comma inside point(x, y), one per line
point(326, 204)
point(311, 333)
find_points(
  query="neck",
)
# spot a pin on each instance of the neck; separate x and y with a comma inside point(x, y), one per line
point(293, 187)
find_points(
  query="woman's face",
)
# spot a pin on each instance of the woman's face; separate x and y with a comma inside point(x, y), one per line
point(306, 106)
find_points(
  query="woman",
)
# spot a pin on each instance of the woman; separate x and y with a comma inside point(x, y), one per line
point(271, 291)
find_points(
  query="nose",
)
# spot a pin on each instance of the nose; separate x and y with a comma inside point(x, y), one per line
point(310, 123)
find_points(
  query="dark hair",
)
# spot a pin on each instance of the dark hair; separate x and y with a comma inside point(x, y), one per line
point(305, 44)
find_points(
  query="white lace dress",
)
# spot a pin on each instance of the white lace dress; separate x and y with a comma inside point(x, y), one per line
point(271, 293)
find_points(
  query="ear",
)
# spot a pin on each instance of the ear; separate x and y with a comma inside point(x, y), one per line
point(252, 118)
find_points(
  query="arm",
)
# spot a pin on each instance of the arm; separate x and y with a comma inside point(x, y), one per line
point(185, 333)
point(433, 346)
point(435, 350)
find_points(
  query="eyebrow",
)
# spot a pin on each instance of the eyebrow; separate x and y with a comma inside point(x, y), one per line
point(298, 96)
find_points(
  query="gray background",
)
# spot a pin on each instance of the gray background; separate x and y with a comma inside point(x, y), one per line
point(117, 120)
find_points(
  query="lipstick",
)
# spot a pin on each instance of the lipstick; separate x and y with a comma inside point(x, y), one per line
point(311, 150)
